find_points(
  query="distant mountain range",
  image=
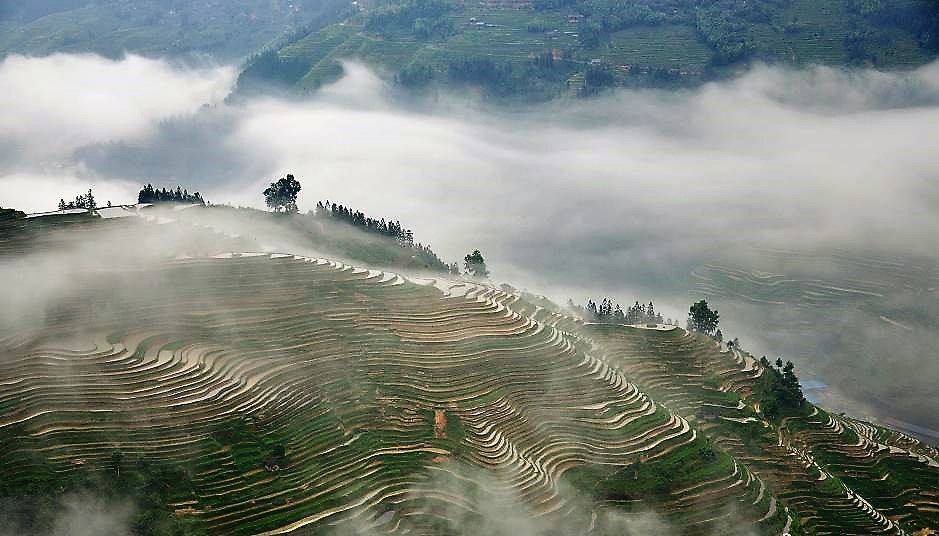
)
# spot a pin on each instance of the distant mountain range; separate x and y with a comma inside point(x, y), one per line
point(506, 48)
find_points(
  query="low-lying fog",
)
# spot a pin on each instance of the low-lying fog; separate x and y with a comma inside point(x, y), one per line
point(620, 195)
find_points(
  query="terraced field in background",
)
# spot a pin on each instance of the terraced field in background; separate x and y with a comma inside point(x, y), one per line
point(838, 276)
point(407, 405)
point(863, 318)
point(800, 32)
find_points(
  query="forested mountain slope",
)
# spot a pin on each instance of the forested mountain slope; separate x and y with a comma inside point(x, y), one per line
point(522, 49)
point(545, 48)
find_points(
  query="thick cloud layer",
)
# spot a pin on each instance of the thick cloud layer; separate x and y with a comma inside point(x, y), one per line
point(818, 155)
point(54, 105)
point(620, 195)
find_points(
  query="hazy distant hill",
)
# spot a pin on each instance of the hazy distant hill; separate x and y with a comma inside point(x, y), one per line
point(550, 47)
point(225, 29)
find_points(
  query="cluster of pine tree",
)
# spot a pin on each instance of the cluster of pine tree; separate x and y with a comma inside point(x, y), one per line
point(705, 320)
point(86, 201)
point(148, 194)
point(389, 228)
point(780, 392)
point(358, 218)
point(609, 312)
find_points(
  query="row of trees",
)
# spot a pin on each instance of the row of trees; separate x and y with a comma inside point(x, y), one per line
point(387, 228)
point(391, 229)
point(701, 317)
point(148, 194)
point(85, 201)
point(281, 196)
point(610, 312)
point(474, 263)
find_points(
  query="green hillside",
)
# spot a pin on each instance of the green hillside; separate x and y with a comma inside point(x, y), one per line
point(550, 47)
point(223, 29)
point(521, 49)
point(230, 392)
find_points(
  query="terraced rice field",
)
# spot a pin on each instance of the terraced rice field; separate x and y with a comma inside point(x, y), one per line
point(842, 476)
point(795, 32)
point(406, 405)
point(858, 317)
point(674, 46)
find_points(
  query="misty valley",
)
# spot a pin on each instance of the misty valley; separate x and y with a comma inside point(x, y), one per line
point(449, 268)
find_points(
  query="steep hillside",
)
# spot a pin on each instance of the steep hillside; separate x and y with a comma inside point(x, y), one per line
point(861, 318)
point(224, 29)
point(231, 392)
point(544, 48)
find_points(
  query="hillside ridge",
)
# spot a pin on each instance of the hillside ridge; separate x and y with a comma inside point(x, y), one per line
point(287, 393)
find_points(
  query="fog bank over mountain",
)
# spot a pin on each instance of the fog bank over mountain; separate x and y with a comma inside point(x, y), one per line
point(817, 154)
point(620, 195)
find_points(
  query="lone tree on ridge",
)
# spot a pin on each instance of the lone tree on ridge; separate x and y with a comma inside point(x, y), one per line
point(475, 265)
point(702, 318)
point(282, 195)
